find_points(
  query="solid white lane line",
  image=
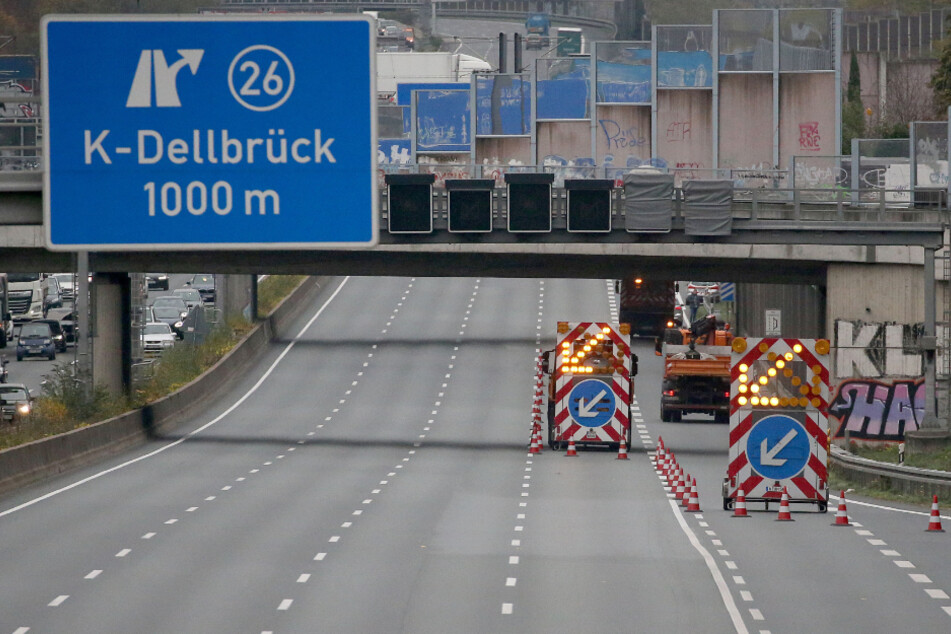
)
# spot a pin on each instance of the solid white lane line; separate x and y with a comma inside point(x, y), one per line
point(93, 574)
point(58, 600)
point(718, 579)
point(887, 508)
point(195, 432)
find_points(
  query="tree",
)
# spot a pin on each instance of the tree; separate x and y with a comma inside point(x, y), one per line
point(941, 79)
point(853, 112)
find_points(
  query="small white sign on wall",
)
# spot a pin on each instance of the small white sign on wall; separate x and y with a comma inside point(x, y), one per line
point(774, 322)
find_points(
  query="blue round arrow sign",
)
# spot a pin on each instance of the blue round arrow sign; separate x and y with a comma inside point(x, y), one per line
point(591, 403)
point(778, 447)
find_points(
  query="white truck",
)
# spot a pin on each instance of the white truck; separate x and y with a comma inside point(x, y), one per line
point(424, 68)
point(26, 296)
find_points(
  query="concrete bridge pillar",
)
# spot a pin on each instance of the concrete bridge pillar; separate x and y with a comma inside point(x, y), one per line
point(112, 318)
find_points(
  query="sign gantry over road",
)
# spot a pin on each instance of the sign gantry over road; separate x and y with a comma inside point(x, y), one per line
point(222, 132)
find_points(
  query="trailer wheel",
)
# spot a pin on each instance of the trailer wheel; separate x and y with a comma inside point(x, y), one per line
point(823, 507)
point(664, 414)
point(727, 504)
point(676, 416)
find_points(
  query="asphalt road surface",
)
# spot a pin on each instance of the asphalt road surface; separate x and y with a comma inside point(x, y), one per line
point(371, 474)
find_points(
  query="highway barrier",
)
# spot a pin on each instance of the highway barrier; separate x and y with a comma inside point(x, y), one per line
point(32, 462)
point(889, 477)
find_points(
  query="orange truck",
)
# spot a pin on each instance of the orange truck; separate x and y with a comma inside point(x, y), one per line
point(696, 371)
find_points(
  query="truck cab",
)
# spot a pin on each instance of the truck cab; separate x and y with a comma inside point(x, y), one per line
point(26, 296)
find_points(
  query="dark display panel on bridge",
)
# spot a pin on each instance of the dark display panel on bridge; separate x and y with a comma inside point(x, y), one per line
point(410, 199)
point(529, 202)
point(589, 205)
point(470, 205)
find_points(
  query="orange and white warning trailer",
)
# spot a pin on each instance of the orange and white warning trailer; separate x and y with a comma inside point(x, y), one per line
point(779, 429)
point(591, 385)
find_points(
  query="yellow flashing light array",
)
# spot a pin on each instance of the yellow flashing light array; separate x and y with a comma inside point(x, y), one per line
point(809, 390)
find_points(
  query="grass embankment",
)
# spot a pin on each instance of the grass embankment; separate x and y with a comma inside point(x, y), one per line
point(938, 460)
point(66, 405)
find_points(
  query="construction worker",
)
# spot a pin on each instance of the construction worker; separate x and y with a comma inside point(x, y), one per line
point(693, 303)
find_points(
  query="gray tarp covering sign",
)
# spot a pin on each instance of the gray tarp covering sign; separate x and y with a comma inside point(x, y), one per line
point(648, 202)
point(708, 207)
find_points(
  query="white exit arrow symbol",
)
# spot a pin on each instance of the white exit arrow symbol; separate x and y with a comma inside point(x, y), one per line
point(584, 411)
point(768, 458)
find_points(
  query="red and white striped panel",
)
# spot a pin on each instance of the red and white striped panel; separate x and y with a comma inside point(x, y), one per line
point(801, 388)
point(619, 425)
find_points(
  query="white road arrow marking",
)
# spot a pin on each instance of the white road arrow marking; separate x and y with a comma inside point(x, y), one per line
point(768, 458)
point(584, 411)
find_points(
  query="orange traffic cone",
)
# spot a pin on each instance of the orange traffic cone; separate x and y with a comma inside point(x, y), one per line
point(681, 486)
point(934, 525)
point(622, 449)
point(784, 514)
point(693, 503)
point(739, 507)
point(841, 515)
point(571, 448)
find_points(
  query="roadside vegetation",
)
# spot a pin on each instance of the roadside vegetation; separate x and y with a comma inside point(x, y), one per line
point(67, 403)
point(939, 460)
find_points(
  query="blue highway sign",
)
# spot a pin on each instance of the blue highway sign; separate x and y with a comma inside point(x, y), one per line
point(778, 447)
point(591, 403)
point(223, 132)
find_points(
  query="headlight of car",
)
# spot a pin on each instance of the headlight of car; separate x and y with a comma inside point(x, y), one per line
point(23, 408)
point(47, 342)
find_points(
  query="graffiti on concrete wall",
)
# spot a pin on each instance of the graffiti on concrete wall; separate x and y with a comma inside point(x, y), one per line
point(880, 393)
point(809, 137)
point(876, 350)
point(876, 410)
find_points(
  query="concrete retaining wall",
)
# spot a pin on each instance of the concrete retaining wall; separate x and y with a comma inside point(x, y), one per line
point(51, 456)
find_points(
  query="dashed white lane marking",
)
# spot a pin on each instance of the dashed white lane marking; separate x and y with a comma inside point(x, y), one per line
point(123, 552)
point(191, 509)
point(58, 600)
point(285, 604)
point(510, 582)
point(254, 388)
point(746, 595)
point(93, 574)
point(334, 538)
point(890, 553)
point(919, 578)
point(513, 559)
point(320, 556)
point(171, 521)
point(506, 608)
point(21, 630)
point(901, 563)
point(148, 536)
point(757, 615)
point(935, 593)
point(304, 578)
point(876, 542)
